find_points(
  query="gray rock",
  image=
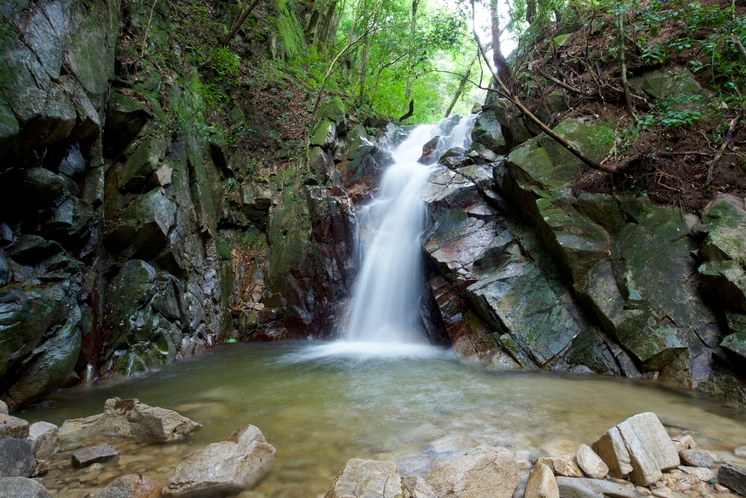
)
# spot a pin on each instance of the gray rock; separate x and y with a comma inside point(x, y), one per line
point(573, 487)
point(93, 454)
point(541, 483)
point(591, 463)
point(5, 274)
point(740, 451)
point(366, 478)
point(226, 467)
point(612, 450)
point(22, 487)
point(696, 458)
point(44, 440)
point(417, 487)
point(4, 408)
point(13, 427)
point(684, 443)
point(654, 438)
point(132, 486)
point(488, 132)
point(483, 472)
point(16, 458)
point(702, 473)
point(129, 417)
point(125, 118)
point(733, 476)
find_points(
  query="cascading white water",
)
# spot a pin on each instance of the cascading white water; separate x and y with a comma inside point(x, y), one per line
point(384, 305)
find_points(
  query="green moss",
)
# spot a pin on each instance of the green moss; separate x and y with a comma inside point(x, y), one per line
point(223, 249)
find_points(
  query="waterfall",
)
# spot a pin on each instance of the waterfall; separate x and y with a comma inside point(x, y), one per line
point(385, 301)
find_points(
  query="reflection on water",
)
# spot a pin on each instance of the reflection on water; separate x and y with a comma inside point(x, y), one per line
point(320, 404)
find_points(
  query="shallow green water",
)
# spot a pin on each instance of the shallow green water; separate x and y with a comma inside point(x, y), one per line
point(319, 406)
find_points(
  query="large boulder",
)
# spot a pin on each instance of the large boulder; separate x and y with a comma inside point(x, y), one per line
point(131, 418)
point(483, 472)
point(638, 447)
point(226, 467)
point(366, 479)
point(125, 118)
point(16, 458)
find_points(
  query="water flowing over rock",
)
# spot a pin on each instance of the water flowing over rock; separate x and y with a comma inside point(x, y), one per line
point(93, 454)
point(366, 478)
point(226, 467)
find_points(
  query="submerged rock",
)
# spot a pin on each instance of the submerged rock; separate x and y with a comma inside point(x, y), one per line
point(366, 478)
point(132, 486)
point(482, 472)
point(230, 466)
point(22, 487)
point(129, 417)
point(93, 454)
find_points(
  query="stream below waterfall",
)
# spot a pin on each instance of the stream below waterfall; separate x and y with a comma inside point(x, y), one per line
point(320, 404)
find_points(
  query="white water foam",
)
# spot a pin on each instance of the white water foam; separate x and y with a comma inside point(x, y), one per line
point(385, 303)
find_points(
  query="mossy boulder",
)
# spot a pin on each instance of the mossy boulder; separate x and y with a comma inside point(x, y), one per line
point(723, 271)
point(671, 83)
point(139, 170)
point(324, 134)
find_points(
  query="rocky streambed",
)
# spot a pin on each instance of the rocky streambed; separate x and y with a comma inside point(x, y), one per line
point(319, 405)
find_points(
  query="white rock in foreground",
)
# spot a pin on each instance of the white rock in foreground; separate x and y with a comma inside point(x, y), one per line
point(639, 447)
point(483, 472)
point(230, 466)
point(44, 440)
point(129, 417)
point(366, 479)
point(591, 463)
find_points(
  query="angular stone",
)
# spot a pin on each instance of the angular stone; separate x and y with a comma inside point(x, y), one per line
point(483, 472)
point(323, 134)
point(3, 408)
point(366, 478)
point(226, 467)
point(44, 440)
point(612, 450)
point(255, 202)
point(561, 466)
point(132, 486)
point(417, 487)
point(740, 451)
point(16, 458)
point(697, 458)
point(130, 418)
point(488, 132)
point(143, 227)
point(541, 483)
point(733, 476)
point(591, 463)
point(125, 119)
point(13, 427)
point(93, 454)
point(142, 164)
point(653, 437)
point(702, 473)
point(572, 487)
point(22, 487)
point(645, 469)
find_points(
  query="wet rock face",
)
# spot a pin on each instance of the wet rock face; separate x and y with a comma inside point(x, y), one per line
point(77, 202)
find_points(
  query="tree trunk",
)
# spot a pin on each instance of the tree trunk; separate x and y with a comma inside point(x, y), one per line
point(460, 90)
point(503, 70)
point(412, 48)
point(236, 24)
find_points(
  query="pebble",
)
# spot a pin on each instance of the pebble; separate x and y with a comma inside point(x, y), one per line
point(684, 443)
point(697, 458)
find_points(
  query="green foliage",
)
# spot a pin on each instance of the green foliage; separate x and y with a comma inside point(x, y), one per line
point(223, 62)
point(709, 31)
